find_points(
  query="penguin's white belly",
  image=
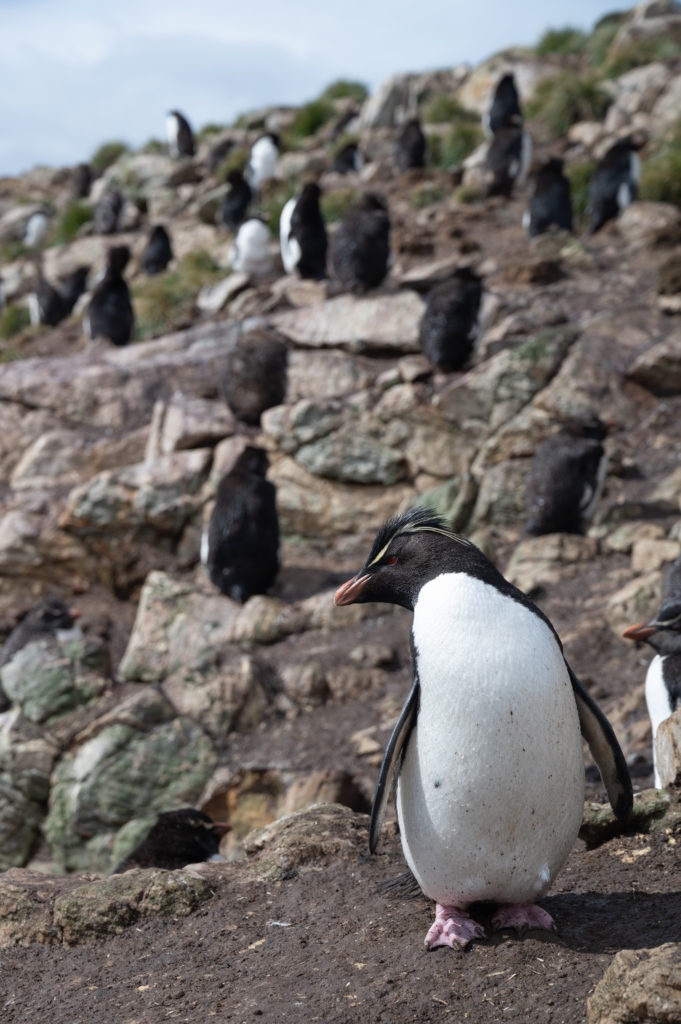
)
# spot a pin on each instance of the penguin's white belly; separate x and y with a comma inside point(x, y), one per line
point(658, 704)
point(491, 791)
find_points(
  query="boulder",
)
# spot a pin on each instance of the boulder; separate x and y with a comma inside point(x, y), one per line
point(639, 985)
point(659, 368)
point(668, 751)
point(27, 757)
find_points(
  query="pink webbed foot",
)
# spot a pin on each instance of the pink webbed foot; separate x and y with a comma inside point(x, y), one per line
point(452, 927)
point(522, 916)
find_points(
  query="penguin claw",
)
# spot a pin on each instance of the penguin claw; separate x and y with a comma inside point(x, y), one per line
point(452, 927)
point(522, 916)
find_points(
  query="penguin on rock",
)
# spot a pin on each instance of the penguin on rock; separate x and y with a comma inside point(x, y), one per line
point(508, 159)
point(303, 235)
point(487, 750)
point(158, 252)
point(240, 547)
point(50, 304)
point(254, 375)
point(237, 200)
point(449, 325)
point(504, 108)
point(614, 183)
point(180, 135)
point(550, 201)
point(360, 252)
point(410, 148)
point(110, 314)
point(566, 477)
point(262, 162)
point(177, 838)
point(663, 678)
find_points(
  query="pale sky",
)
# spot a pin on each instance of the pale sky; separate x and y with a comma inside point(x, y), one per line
point(76, 73)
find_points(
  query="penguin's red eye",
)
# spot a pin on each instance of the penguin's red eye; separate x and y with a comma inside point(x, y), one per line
point(391, 560)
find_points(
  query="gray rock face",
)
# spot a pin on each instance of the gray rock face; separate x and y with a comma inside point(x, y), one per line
point(639, 985)
point(27, 756)
point(668, 751)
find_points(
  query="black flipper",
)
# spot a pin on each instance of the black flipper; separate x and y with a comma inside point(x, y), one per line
point(391, 762)
point(605, 750)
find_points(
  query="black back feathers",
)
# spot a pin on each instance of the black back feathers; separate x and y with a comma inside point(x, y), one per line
point(175, 839)
point(550, 201)
point(108, 212)
point(308, 232)
point(242, 549)
point(565, 478)
point(507, 160)
point(614, 183)
point(360, 252)
point(449, 323)
point(505, 106)
point(237, 200)
point(410, 148)
point(110, 313)
point(180, 135)
point(54, 303)
point(158, 252)
point(254, 375)
point(348, 159)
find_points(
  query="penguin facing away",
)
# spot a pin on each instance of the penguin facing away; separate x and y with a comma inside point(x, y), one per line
point(158, 252)
point(663, 678)
point(237, 200)
point(180, 135)
point(303, 236)
point(487, 750)
point(566, 477)
point(449, 325)
point(410, 148)
point(254, 376)
point(360, 253)
point(108, 211)
point(550, 201)
point(508, 159)
point(177, 838)
point(110, 314)
point(504, 108)
point(614, 183)
point(240, 547)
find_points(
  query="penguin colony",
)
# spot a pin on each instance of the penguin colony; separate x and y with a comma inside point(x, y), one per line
point(487, 751)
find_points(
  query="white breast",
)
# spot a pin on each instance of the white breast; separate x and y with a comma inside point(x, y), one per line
point(262, 162)
point(490, 795)
point(290, 249)
point(172, 131)
point(658, 702)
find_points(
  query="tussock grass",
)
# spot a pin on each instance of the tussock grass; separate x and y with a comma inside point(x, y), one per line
point(107, 154)
point(166, 302)
point(661, 170)
point(71, 220)
point(564, 99)
point(567, 40)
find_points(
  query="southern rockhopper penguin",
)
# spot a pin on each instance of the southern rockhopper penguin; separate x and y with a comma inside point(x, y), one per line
point(487, 750)
point(663, 678)
point(175, 839)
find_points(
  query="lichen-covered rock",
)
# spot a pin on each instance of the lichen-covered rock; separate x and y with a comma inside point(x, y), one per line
point(640, 985)
point(668, 750)
point(136, 759)
point(636, 601)
point(659, 368)
point(187, 422)
point(538, 561)
point(305, 838)
point(27, 757)
point(653, 811)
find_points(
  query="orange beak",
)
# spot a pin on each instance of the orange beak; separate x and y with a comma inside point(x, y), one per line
point(350, 591)
point(641, 631)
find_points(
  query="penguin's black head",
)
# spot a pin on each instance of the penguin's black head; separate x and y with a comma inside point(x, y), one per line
point(235, 177)
point(117, 259)
point(407, 552)
point(663, 633)
point(51, 614)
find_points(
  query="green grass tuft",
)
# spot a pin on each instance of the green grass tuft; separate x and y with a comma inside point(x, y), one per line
point(13, 320)
point(637, 52)
point(344, 89)
point(107, 154)
point(71, 220)
point(561, 40)
point(428, 195)
point(562, 100)
point(661, 170)
point(166, 302)
point(442, 107)
point(452, 149)
point(309, 119)
point(335, 205)
point(579, 176)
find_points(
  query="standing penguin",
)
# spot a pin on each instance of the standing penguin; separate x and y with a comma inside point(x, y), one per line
point(360, 253)
point(303, 235)
point(240, 547)
point(262, 161)
point(550, 201)
point(449, 325)
point(410, 148)
point(663, 678)
point(348, 159)
point(614, 183)
point(508, 159)
point(175, 839)
point(158, 252)
point(504, 108)
point(566, 477)
point(250, 251)
point(237, 200)
point(110, 314)
point(180, 135)
point(49, 618)
point(109, 211)
point(254, 375)
point(49, 304)
point(487, 749)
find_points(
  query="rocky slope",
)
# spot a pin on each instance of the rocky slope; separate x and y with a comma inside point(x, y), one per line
point(176, 695)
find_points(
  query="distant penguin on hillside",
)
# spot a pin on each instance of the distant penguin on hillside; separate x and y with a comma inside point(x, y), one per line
point(110, 314)
point(219, 153)
point(449, 325)
point(550, 200)
point(108, 211)
point(37, 229)
point(158, 252)
point(566, 477)
point(303, 235)
point(614, 183)
point(251, 251)
point(262, 162)
point(504, 108)
point(180, 135)
point(348, 160)
point(49, 304)
point(49, 618)
point(81, 181)
point(663, 678)
point(240, 547)
point(237, 200)
point(410, 148)
point(254, 375)
point(360, 253)
point(508, 159)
